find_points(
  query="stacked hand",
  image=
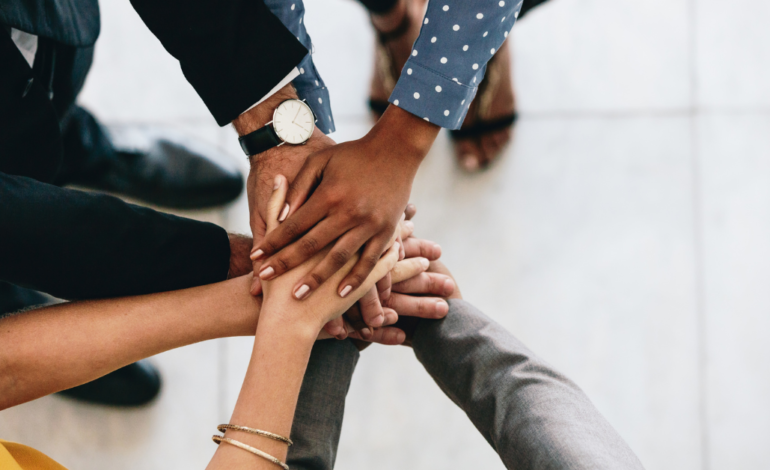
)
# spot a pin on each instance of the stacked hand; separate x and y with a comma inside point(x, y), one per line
point(408, 275)
point(345, 199)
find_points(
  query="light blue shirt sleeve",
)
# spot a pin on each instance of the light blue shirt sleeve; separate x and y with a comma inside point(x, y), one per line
point(448, 61)
point(309, 84)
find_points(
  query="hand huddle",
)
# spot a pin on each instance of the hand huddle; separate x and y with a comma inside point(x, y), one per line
point(398, 285)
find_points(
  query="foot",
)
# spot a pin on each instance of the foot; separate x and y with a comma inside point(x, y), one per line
point(134, 385)
point(161, 168)
point(475, 153)
point(394, 48)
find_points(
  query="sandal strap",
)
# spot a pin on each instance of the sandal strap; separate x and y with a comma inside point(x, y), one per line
point(396, 33)
point(378, 106)
point(484, 127)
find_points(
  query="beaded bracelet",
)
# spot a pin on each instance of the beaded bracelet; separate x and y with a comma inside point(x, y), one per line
point(241, 445)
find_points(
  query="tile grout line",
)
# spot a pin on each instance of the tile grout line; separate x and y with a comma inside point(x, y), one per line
point(699, 279)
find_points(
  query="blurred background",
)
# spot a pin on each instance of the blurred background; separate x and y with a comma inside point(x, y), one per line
point(624, 236)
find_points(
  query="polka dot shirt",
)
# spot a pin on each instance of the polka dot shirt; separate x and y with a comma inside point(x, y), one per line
point(448, 61)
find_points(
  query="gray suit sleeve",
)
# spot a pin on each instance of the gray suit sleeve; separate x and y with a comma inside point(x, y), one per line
point(534, 417)
point(321, 405)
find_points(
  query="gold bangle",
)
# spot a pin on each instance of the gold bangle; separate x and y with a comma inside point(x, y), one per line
point(276, 437)
point(247, 448)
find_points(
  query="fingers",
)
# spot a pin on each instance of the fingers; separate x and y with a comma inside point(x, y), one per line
point(342, 251)
point(371, 310)
point(421, 307)
point(275, 204)
point(304, 183)
point(415, 247)
point(353, 319)
point(304, 219)
point(427, 283)
point(389, 336)
point(305, 248)
point(410, 211)
point(406, 229)
point(363, 268)
point(408, 268)
point(383, 287)
point(336, 328)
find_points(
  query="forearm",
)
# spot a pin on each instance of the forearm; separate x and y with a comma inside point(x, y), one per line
point(58, 347)
point(269, 394)
point(533, 416)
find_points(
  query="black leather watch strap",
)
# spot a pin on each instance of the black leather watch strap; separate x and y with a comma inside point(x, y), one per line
point(260, 140)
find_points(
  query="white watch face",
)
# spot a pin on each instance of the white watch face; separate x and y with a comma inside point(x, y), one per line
point(293, 121)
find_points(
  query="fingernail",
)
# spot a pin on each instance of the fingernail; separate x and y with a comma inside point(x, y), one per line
point(366, 332)
point(266, 273)
point(442, 307)
point(378, 321)
point(301, 291)
point(424, 263)
point(256, 255)
point(409, 224)
point(276, 183)
point(400, 337)
point(284, 213)
point(346, 291)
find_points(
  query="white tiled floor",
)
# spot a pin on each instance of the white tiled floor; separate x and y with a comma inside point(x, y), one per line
point(624, 236)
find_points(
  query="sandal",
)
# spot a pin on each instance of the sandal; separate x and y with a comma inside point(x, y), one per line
point(386, 70)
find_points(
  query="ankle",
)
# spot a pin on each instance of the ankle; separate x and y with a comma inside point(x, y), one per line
point(389, 21)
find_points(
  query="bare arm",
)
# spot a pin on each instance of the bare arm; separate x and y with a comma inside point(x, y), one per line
point(55, 348)
point(285, 335)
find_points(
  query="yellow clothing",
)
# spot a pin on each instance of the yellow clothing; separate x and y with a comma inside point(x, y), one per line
point(15, 456)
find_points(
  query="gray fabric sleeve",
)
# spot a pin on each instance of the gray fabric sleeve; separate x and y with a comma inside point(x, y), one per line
point(534, 417)
point(321, 405)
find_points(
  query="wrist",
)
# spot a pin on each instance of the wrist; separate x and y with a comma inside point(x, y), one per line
point(261, 114)
point(414, 136)
point(278, 321)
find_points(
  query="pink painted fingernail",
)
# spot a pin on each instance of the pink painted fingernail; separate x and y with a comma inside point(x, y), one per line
point(284, 213)
point(256, 255)
point(346, 291)
point(266, 273)
point(301, 291)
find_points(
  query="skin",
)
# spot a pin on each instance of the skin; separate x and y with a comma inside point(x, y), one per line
point(472, 153)
point(328, 205)
point(59, 347)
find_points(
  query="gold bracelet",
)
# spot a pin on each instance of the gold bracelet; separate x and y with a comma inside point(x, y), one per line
point(254, 451)
point(276, 437)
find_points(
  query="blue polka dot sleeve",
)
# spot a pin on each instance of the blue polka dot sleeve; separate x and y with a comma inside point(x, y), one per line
point(457, 39)
point(309, 84)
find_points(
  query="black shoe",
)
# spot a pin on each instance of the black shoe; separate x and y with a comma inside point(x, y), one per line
point(134, 385)
point(162, 168)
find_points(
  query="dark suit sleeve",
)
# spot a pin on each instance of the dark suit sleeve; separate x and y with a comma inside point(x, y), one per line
point(533, 416)
point(78, 245)
point(233, 52)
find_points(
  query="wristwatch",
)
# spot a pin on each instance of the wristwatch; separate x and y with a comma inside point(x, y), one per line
point(293, 123)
